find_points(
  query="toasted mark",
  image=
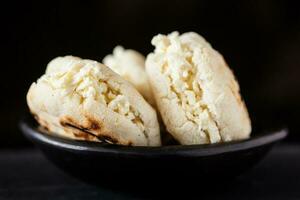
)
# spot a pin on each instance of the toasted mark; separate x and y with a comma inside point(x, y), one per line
point(46, 128)
point(83, 135)
point(92, 125)
point(107, 139)
point(66, 121)
point(86, 134)
point(43, 129)
point(43, 123)
point(75, 127)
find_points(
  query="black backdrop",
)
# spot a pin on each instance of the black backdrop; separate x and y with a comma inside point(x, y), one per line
point(259, 39)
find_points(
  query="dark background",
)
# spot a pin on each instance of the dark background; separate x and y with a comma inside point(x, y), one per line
point(259, 39)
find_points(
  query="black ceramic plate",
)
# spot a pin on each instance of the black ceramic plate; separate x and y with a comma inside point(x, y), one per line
point(103, 163)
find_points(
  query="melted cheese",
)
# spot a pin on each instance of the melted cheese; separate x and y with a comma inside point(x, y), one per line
point(181, 72)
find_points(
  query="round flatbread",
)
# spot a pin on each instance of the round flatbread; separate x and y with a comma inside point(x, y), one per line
point(195, 91)
point(84, 99)
point(130, 65)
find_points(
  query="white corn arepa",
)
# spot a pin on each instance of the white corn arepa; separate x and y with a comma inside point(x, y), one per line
point(84, 99)
point(195, 91)
point(130, 64)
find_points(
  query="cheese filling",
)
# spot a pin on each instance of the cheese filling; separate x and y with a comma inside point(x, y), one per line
point(181, 72)
point(84, 80)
